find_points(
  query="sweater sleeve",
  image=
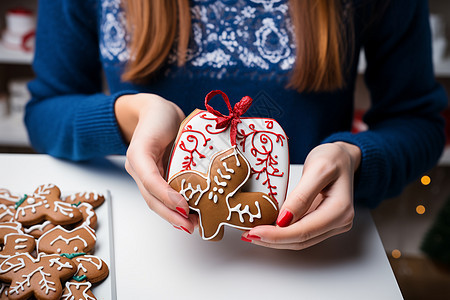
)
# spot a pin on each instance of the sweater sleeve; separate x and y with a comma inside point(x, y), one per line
point(406, 131)
point(68, 115)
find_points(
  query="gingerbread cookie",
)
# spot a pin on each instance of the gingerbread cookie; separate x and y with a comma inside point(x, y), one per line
point(60, 240)
point(16, 243)
point(75, 290)
point(45, 204)
point(7, 198)
point(218, 199)
point(89, 267)
point(9, 227)
point(4, 291)
point(6, 213)
point(39, 277)
point(261, 140)
point(39, 229)
point(7, 204)
point(89, 215)
point(93, 198)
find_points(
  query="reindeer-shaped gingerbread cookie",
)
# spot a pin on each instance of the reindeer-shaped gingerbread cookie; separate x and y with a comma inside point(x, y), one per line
point(45, 204)
point(218, 199)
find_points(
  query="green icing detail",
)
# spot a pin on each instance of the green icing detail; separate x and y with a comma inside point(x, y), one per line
point(72, 255)
point(19, 203)
point(79, 278)
point(76, 204)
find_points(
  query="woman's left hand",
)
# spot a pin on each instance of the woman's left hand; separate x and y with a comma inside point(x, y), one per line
point(320, 206)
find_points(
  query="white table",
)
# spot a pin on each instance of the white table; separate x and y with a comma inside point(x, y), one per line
point(155, 261)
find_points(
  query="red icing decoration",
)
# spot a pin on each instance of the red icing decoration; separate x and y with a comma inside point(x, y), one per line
point(267, 162)
point(233, 118)
point(189, 158)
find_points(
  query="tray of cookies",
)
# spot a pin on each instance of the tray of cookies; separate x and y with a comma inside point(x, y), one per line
point(55, 245)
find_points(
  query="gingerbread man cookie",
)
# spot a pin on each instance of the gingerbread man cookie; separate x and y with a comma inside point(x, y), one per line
point(78, 290)
point(16, 243)
point(60, 240)
point(45, 204)
point(218, 198)
point(93, 198)
point(39, 277)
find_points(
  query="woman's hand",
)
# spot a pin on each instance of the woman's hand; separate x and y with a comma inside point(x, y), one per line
point(150, 123)
point(320, 206)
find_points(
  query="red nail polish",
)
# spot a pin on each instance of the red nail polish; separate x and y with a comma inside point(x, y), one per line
point(285, 218)
point(176, 227)
point(253, 237)
point(185, 230)
point(182, 212)
point(245, 239)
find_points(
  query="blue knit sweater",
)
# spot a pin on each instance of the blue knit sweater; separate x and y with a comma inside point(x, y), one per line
point(245, 47)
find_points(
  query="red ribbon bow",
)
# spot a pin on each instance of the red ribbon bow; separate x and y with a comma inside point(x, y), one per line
point(233, 118)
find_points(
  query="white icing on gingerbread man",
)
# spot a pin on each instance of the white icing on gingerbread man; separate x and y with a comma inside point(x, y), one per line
point(221, 202)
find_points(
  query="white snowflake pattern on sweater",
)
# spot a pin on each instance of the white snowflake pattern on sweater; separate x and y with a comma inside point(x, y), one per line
point(245, 35)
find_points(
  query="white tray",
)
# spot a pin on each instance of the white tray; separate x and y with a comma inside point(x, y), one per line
point(104, 247)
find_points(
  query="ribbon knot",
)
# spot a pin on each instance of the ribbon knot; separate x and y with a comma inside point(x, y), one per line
point(235, 113)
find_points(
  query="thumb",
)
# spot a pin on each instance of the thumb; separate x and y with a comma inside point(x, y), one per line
point(299, 201)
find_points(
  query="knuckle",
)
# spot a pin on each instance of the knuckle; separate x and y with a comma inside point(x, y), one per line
point(349, 216)
point(170, 219)
point(273, 239)
point(303, 236)
point(150, 203)
point(148, 185)
point(130, 159)
point(297, 247)
point(344, 229)
point(327, 169)
point(348, 227)
point(128, 167)
point(301, 200)
point(130, 152)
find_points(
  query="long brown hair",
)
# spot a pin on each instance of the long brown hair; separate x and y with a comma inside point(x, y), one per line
point(319, 35)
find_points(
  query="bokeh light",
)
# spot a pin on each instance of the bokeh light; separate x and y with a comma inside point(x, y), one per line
point(420, 209)
point(396, 253)
point(425, 180)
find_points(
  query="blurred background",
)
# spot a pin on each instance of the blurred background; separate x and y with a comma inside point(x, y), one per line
point(414, 227)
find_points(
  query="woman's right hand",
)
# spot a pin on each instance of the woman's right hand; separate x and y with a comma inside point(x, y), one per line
point(150, 124)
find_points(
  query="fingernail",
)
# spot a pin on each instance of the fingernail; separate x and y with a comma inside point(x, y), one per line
point(253, 237)
point(185, 229)
point(182, 212)
point(176, 227)
point(245, 239)
point(285, 218)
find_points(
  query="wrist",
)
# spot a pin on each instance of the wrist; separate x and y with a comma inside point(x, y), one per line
point(354, 153)
point(129, 109)
point(127, 114)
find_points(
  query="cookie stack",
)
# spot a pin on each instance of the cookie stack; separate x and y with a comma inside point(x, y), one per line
point(47, 242)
